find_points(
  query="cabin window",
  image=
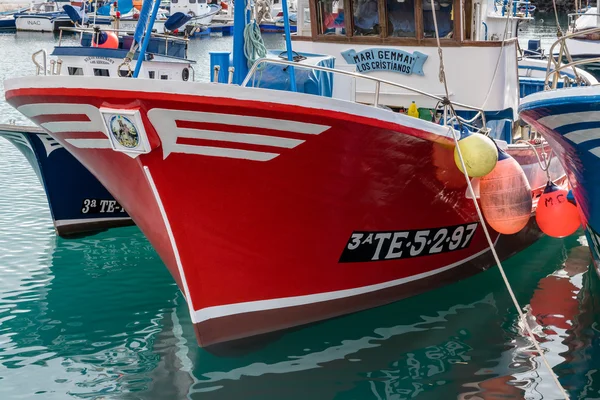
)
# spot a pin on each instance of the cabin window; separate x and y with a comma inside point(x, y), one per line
point(174, 1)
point(75, 71)
point(164, 77)
point(330, 17)
point(201, 1)
point(443, 13)
point(101, 72)
point(409, 19)
point(192, 1)
point(401, 18)
point(366, 17)
point(151, 74)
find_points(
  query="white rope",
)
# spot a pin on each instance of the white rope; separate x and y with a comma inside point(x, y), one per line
point(522, 316)
point(545, 165)
point(482, 221)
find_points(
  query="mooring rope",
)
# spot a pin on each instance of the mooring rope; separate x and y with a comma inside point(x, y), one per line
point(559, 32)
point(254, 46)
point(544, 165)
point(482, 221)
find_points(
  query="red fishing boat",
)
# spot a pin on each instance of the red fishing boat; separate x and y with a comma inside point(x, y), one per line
point(274, 209)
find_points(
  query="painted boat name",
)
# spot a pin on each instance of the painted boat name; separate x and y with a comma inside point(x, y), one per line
point(99, 206)
point(386, 59)
point(99, 60)
point(391, 245)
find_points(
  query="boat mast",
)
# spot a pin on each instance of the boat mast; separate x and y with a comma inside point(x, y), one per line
point(241, 14)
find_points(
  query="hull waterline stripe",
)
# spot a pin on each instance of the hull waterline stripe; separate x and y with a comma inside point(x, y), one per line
point(186, 289)
point(67, 222)
point(271, 304)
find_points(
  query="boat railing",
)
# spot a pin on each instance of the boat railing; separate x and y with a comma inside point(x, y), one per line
point(82, 30)
point(555, 64)
point(38, 66)
point(261, 63)
point(504, 6)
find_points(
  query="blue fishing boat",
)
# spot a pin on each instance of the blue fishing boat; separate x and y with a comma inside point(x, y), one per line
point(78, 203)
point(569, 118)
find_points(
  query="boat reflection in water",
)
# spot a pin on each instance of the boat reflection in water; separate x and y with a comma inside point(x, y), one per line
point(462, 340)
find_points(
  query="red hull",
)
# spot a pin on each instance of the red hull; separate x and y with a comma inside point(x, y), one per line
point(276, 215)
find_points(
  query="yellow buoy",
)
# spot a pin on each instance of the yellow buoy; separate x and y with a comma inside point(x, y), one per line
point(479, 152)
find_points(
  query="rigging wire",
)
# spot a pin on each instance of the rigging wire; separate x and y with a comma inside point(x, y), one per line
point(453, 132)
point(487, 96)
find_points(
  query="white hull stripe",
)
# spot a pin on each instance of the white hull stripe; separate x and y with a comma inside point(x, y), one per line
point(80, 221)
point(95, 123)
point(595, 151)
point(583, 135)
point(163, 213)
point(90, 143)
point(50, 144)
point(558, 120)
point(166, 121)
point(223, 152)
point(245, 138)
point(579, 136)
point(247, 121)
point(16, 138)
point(262, 305)
point(235, 92)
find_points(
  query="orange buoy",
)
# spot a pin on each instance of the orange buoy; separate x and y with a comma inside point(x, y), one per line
point(105, 40)
point(556, 215)
point(505, 196)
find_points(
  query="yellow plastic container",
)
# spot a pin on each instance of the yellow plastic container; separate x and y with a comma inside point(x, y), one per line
point(413, 110)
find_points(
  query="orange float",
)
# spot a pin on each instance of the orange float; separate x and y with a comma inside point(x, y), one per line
point(556, 215)
point(505, 196)
point(106, 40)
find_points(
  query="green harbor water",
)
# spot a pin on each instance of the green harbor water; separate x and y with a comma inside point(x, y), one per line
point(101, 318)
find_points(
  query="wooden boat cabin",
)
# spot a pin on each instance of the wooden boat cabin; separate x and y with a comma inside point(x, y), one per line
point(395, 40)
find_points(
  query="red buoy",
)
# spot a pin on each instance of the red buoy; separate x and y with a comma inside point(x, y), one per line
point(556, 215)
point(505, 196)
point(105, 40)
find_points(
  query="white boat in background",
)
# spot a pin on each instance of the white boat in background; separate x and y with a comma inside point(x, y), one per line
point(201, 12)
point(583, 42)
point(277, 11)
point(41, 17)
